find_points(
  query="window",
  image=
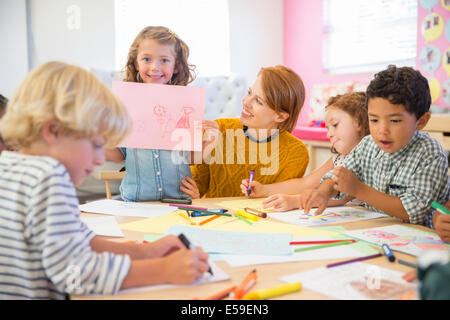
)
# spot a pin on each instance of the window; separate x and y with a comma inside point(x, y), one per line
point(202, 24)
point(367, 35)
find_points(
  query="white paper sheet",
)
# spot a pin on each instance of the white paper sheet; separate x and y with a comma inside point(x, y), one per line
point(329, 216)
point(103, 226)
point(126, 209)
point(355, 281)
point(336, 252)
point(219, 275)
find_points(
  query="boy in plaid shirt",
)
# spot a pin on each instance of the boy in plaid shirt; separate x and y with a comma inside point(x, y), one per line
point(396, 169)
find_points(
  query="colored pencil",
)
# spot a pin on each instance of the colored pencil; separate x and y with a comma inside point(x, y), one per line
point(354, 260)
point(187, 218)
point(319, 242)
point(243, 219)
point(208, 220)
point(222, 294)
point(406, 263)
point(180, 206)
point(323, 246)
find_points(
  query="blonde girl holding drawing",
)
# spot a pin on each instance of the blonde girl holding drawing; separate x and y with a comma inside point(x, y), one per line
point(347, 123)
point(157, 56)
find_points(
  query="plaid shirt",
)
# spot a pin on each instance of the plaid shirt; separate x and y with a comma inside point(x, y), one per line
point(417, 174)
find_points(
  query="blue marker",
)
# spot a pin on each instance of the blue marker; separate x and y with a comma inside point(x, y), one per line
point(200, 214)
point(388, 252)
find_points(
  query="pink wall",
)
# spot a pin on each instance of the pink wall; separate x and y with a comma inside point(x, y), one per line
point(302, 46)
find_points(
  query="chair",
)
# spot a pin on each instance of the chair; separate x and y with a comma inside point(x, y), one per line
point(110, 175)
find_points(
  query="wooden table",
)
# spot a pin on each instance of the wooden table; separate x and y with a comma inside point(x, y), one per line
point(268, 274)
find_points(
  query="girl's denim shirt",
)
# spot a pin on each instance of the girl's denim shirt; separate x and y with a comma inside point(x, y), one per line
point(154, 174)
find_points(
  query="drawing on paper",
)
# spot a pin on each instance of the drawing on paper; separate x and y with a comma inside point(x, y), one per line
point(387, 289)
point(184, 121)
point(424, 242)
point(401, 238)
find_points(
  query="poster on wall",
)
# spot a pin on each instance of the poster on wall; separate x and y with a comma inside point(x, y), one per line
point(434, 51)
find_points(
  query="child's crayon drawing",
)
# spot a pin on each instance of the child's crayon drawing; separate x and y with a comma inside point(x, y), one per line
point(402, 238)
point(329, 216)
point(163, 117)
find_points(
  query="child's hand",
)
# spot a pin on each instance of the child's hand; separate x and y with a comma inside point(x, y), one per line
point(410, 276)
point(185, 266)
point(190, 188)
point(346, 181)
point(313, 198)
point(282, 202)
point(442, 225)
point(257, 189)
point(162, 247)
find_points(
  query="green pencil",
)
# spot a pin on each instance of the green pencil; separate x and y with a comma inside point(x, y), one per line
point(323, 246)
point(243, 219)
point(439, 207)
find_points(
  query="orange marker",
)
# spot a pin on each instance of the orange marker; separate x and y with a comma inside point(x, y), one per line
point(246, 285)
point(208, 220)
point(220, 295)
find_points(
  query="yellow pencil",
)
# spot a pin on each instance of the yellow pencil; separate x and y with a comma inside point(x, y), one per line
point(187, 218)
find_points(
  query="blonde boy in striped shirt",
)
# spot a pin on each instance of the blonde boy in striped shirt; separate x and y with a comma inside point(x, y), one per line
point(59, 120)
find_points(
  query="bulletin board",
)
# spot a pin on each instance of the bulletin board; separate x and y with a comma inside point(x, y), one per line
point(433, 51)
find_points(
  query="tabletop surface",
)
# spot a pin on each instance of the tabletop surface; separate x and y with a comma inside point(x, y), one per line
point(268, 274)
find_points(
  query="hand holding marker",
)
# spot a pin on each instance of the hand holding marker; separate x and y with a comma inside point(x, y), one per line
point(250, 180)
point(187, 244)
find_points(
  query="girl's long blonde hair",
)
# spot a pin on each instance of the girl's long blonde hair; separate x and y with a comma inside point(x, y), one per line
point(185, 72)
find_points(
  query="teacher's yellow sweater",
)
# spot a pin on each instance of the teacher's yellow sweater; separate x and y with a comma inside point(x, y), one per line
point(283, 157)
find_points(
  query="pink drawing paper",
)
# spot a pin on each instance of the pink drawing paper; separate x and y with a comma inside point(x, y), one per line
point(166, 117)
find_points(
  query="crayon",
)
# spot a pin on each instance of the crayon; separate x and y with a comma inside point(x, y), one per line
point(249, 216)
point(246, 285)
point(273, 291)
point(260, 214)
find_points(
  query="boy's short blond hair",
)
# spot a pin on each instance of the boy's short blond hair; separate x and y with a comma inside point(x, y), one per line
point(78, 101)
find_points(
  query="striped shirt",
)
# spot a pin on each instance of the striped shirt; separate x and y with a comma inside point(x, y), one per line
point(417, 174)
point(44, 246)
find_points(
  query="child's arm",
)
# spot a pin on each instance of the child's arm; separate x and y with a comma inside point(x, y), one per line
point(163, 261)
point(182, 267)
point(291, 186)
point(137, 251)
point(346, 181)
point(114, 155)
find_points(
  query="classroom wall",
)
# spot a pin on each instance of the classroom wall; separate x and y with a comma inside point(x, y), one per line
point(256, 35)
point(14, 52)
point(302, 44)
point(75, 31)
point(256, 29)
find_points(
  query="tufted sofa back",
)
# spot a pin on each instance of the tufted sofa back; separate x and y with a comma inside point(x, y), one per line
point(223, 95)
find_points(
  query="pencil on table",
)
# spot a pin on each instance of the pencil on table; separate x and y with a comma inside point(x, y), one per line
point(209, 219)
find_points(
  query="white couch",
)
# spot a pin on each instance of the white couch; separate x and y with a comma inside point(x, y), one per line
point(223, 100)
